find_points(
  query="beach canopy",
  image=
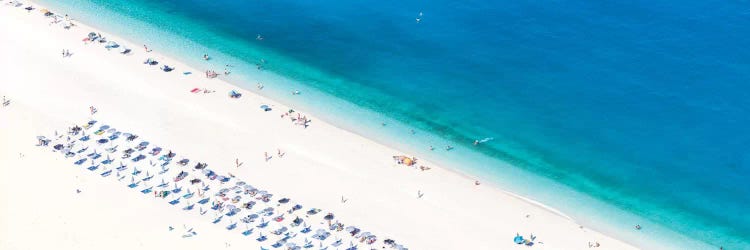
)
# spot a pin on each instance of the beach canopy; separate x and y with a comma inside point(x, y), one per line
point(518, 239)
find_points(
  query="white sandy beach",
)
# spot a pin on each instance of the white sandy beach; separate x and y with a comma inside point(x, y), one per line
point(41, 210)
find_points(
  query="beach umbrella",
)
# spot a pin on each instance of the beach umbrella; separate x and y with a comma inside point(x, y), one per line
point(328, 217)
point(111, 130)
point(104, 127)
point(102, 141)
point(241, 183)
point(518, 239)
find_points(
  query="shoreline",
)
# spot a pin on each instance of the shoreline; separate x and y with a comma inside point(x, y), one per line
point(252, 95)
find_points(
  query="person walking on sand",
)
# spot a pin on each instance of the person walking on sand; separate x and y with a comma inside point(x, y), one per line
point(266, 156)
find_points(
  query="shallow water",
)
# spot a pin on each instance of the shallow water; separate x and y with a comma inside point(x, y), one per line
point(639, 107)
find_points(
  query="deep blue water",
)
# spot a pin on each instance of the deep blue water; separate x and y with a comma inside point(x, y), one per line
point(642, 105)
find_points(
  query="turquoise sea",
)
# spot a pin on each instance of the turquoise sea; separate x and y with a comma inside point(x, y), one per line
point(614, 112)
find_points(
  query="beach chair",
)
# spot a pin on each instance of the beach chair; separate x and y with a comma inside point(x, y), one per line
point(93, 167)
point(232, 226)
point(122, 168)
point(82, 150)
point(305, 229)
point(136, 171)
point(261, 238)
point(247, 232)
point(139, 158)
point(336, 243)
point(134, 184)
point(262, 224)
point(203, 201)
point(218, 219)
point(188, 195)
point(148, 177)
point(277, 244)
point(308, 244)
point(147, 190)
point(81, 161)
point(175, 201)
point(189, 207)
point(176, 189)
point(106, 173)
point(163, 184)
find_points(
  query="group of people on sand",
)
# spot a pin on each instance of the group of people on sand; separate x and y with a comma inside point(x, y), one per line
point(301, 120)
point(279, 153)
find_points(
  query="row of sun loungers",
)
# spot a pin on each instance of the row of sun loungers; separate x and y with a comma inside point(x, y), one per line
point(196, 189)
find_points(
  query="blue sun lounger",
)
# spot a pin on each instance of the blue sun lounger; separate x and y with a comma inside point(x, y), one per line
point(107, 173)
point(306, 230)
point(175, 201)
point(263, 224)
point(107, 161)
point(261, 238)
point(92, 168)
point(277, 244)
point(247, 232)
point(148, 178)
point(232, 226)
point(81, 161)
point(204, 201)
point(82, 150)
point(122, 168)
point(218, 219)
point(147, 190)
point(232, 212)
point(163, 184)
point(337, 243)
point(134, 184)
point(84, 138)
point(189, 207)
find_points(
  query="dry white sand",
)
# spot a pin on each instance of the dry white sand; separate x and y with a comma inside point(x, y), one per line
point(41, 210)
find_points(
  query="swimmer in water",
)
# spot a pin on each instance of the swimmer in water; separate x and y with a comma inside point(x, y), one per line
point(448, 148)
point(205, 57)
